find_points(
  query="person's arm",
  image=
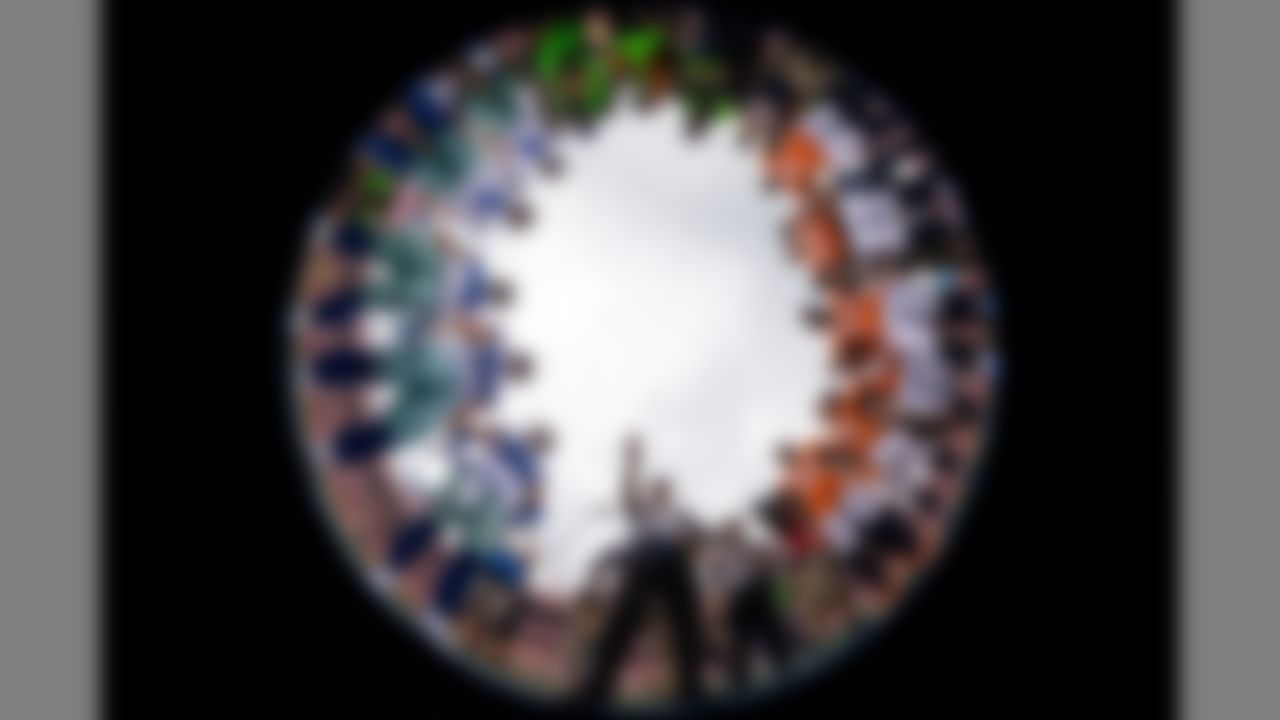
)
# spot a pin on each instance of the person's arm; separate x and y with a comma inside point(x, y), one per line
point(632, 466)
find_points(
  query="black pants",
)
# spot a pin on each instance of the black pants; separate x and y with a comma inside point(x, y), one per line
point(754, 621)
point(652, 575)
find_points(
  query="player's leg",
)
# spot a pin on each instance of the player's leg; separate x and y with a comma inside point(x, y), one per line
point(680, 595)
point(619, 630)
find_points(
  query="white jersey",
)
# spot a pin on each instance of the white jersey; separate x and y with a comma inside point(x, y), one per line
point(489, 190)
point(926, 384)
point(909, 168)
point(456, 354)
point(858, 506)
point(838, 531)
point(875, 220)
point(903, 462)
point(911, 310)
point(843, 147)
point(485, 478)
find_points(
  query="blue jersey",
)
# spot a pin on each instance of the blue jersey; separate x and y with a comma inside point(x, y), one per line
point(387, 152)
point(485, 363)
point(473, 286)
point(428, 113)
point(361, 442)
point(345, 367)
point(498, 565)
point(520, 457)
point(529, 138)
point(489, 190)
point(487, 201)
point(353, 241)
point(523, 463)
point(532, 145)
point(339, 307)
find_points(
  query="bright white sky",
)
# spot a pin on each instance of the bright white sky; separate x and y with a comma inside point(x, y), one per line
point(655, 294)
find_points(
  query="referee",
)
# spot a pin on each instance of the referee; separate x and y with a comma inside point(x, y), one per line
point(657, 568)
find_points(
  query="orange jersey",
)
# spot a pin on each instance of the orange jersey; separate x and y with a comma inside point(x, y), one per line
point(823, 493)
point(857, 431)
point(794, 163)
point(883, 378)
point(856, 421)
point(819, 242)
point(813, 482)
point(857, 320)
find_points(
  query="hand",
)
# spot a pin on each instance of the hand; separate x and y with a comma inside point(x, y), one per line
point(633, 447)
point(632, 461)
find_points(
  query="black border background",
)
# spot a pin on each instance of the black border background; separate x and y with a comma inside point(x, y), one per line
point(226, 124)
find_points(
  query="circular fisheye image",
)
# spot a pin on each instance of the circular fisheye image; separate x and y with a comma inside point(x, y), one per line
point(638, 361)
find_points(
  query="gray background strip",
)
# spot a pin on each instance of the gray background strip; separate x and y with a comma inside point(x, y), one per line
point(47, 360)
point(1231, 359)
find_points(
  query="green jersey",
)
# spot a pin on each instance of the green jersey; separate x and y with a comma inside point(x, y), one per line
point(576, 79)
point(481, 520)
point(556, 48)
point(412, 270)
point(427, 388)
point(445, 163)
point(639, 48)
point(704, 87)
point(494, 105)
point(375, 189)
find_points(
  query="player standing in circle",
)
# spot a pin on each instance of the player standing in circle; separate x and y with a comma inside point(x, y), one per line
point(744, 574)
point(657, 567)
